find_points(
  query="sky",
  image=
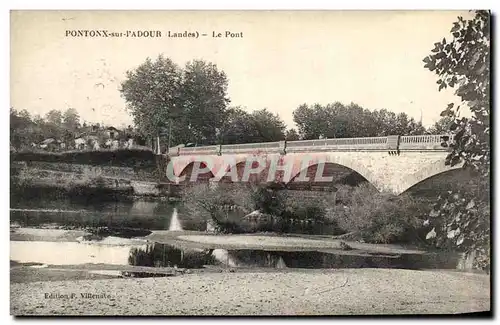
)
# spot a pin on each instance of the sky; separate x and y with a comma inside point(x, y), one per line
point(282, 60)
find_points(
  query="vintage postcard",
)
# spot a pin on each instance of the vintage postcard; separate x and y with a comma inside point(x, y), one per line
point(249, 163)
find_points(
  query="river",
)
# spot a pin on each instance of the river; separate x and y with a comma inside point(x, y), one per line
point(128, 247)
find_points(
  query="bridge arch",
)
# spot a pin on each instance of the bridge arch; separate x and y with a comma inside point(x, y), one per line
point(339, 174)
point(426, 173)
point(184, 166)
point(234, 170)
point(336, 166)
point(187, 171)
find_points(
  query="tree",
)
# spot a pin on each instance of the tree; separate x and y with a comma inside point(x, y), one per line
point(204, 99)
point(406, 125)
point(258, 126)
point(311, 121)
point(152, 93)
point(462, 218)
point(54, 117)
point(442, 126)
point(237, 127)
point(268, 126)
point(291, 135)
point(187, 105)
point(71, 119)
point(337, 120)
point(20, 127)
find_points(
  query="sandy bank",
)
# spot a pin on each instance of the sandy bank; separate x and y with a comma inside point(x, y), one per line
point(333, 292)
point(287, 243)
point(52, 235)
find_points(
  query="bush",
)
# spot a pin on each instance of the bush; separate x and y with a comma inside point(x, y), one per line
point(227, 204)
point(378, 217)
point(460, 219)
point(268, 201)
point(223, 204)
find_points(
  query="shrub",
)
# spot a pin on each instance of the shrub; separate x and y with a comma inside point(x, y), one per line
point(378, 217)
point(268, 200)
point(223, 204)
point(227, 204)
point(306, 205)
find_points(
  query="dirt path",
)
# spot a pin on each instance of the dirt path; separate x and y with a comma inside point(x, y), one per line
point(312, 292)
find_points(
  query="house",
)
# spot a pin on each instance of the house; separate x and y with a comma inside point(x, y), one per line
point(112, 132)
point(52, 144)
point(96, 138)
point(80, 143)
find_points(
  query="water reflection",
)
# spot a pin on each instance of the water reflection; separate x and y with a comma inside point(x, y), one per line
point(151, 215)
point(138, 213)
point(175, 223)
point(161, 255)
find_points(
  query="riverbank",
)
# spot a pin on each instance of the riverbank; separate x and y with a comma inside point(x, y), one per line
point(73, 179)
point(309, 292)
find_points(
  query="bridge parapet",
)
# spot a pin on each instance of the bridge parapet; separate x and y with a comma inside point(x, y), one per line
point(423, 142)
point(375, 143)
point(250, 147)
point(389, 143)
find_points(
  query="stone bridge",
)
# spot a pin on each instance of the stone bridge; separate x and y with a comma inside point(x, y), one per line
point(392, 163)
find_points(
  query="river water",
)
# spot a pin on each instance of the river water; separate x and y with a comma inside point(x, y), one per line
point(145, 214)
point(123, 249)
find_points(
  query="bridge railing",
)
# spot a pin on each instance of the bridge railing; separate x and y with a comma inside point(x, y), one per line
point(250, 147)
point(374, 143)
point(423, 142)
point(206, 150)
point(407, 142)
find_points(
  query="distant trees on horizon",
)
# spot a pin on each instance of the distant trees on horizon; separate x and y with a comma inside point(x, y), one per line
point(190, 104)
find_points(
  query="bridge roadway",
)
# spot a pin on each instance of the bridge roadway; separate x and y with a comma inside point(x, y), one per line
point(392, 163)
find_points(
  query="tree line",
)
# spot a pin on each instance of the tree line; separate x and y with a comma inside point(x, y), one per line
point(27, 131)
point(236, 125)
point(190, 104)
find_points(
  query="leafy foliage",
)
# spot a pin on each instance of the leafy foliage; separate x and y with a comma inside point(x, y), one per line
point(152, 93)
point(292, 135)
point(345, 121)
point(378, 217)
point(216, 203)
point(259, 126)
point(442, 126)
point(191, 102)
point(463, 63)
point(204, 100)
point(71, 119)
point(26, 130)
